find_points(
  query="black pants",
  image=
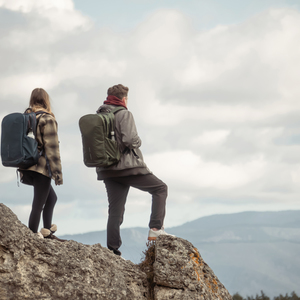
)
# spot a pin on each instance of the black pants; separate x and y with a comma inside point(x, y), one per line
point(44, 199)
point(117, 190)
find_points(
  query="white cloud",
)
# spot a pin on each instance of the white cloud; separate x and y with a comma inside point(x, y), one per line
point(187, 169)
point(26, 6)
point(162, 36)
point(25, 83)
point(217, 110)
point(295, 175)
point(255, 60)
point(60, 13)
point(211, 137)
point(88, 67)
point(7, 174)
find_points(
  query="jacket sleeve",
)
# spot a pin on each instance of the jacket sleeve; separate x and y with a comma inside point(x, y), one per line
point(51, 147)
point(129, 135)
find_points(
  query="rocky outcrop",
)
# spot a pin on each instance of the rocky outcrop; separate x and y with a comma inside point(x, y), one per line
point(34, 268)
point(181, 273)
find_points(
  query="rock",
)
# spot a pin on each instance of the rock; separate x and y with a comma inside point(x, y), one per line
point(181, 273)
point(35, 268)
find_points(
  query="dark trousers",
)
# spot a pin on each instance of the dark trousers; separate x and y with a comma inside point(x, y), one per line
point(117, 190)
point(44, 199)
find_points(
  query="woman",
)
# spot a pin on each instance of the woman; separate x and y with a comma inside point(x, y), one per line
point(48, 166)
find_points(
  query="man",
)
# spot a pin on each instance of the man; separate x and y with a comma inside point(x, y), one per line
point(130, 171)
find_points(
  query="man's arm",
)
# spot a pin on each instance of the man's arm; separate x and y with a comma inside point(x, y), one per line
point(129, 135)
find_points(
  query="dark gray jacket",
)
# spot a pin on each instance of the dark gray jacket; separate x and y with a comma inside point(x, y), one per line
point(131, 162)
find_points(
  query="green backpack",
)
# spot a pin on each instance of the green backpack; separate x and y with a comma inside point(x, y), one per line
point(100, 148)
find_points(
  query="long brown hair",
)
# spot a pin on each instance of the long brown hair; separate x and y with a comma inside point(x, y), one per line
point(40, 100)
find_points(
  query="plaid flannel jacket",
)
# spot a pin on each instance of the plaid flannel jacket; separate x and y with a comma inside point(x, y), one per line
point(49, 145)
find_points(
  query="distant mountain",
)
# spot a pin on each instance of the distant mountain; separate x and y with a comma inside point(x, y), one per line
point(249, 251)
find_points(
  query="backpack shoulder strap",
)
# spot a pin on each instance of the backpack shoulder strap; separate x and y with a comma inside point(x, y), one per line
point(40, 113)
point(115, 110)
point(31, 122)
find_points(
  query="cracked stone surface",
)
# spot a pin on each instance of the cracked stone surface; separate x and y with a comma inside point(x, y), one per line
point(181, 273)
point(34, 268)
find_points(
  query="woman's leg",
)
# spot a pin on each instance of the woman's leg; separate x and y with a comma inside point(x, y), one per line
point(48, 208)
point(41, 189)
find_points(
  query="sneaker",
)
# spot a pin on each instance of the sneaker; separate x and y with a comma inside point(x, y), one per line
point(54, 237)
point(154, 234)
point(39, 235)
point(49, 233)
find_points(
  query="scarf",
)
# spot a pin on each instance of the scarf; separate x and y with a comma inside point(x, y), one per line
point(113, 100)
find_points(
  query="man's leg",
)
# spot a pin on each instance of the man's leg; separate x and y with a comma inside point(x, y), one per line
point(159, 191)
point(117, 194)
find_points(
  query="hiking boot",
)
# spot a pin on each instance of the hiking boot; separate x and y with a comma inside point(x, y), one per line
point(49, 233)
point(117, 252)
point(153, 234)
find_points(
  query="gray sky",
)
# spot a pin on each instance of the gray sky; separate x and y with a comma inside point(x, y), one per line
point(213, 89)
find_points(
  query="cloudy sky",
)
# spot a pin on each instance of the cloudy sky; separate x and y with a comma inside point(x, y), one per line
point(213, 88)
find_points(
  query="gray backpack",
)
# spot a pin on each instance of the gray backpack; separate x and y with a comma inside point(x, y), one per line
point(100, 148)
